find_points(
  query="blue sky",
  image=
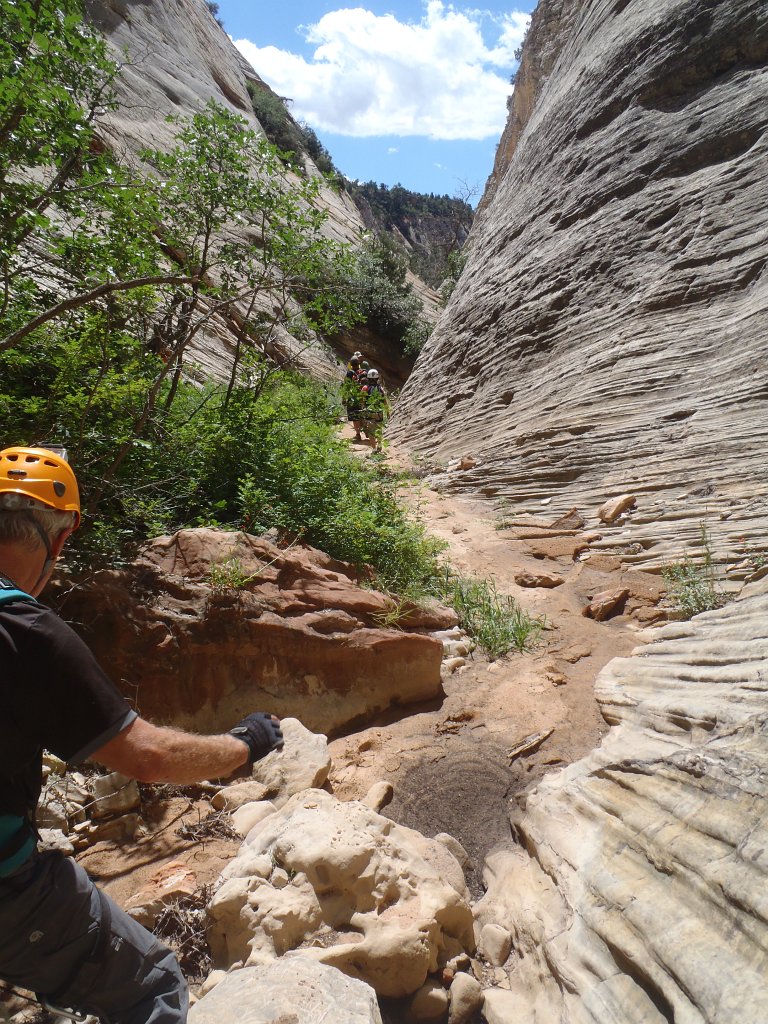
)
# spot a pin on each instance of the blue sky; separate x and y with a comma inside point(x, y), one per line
point(411, 92)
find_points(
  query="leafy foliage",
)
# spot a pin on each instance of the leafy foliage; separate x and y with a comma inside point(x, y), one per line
point(272, 113)
point(70, 219)
point(214, 9)
point(108, 277)
point(435, 226)
point(385, 300)
point(456, 262)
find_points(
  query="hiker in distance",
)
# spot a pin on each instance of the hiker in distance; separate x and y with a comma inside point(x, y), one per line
point(353, 381)
point(60, 936)
point(375, 408)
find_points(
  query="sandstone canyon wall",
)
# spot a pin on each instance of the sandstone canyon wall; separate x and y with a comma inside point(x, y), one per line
point(609, 331)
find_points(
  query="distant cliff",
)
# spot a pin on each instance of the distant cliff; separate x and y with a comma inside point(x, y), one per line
point(608, 333)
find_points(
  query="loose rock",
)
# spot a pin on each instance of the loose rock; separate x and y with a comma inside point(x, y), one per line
point(247, 815)
point(606, 604)
point(430, 1003)
point(495, 944)
point(295, 990)
point(379, 795)
point(548, 580)
point(303, 763)
point(614, 507)
point(172, 882)
point(114, 794)
point(466, 999)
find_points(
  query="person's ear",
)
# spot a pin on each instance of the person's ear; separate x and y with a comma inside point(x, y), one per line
point(59, 541)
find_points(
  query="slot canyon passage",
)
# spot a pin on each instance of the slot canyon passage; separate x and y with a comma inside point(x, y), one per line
point(570, 834)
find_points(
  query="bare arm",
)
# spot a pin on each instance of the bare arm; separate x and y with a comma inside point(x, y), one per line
point(152, 753)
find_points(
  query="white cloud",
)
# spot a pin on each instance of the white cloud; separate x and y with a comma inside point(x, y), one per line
point(375, 75)
point(392, 150)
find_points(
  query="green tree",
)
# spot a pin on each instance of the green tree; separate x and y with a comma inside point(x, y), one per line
point(110, 276)
point(74, 227)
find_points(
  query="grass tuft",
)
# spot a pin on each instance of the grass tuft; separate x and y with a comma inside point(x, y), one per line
point(692, 585)
point(496, 621)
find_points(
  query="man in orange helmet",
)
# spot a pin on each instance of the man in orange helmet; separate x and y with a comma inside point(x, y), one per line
point(60, 936)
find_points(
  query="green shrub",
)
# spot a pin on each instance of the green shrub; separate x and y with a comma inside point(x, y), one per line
point(692, 585)
point(378, 286)
point(273, 116)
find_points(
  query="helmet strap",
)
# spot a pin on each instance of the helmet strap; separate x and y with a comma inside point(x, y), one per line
point(49, 559)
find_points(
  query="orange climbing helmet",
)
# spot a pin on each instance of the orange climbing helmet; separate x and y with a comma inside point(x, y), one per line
point(42, 476)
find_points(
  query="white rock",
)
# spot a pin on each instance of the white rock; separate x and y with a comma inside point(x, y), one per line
point(395, 900)
point(212, 981)
point(303, 763)
point(610, 511)
point(454, 846)
point(632, 859)
point(430, 1002)
point(466, 998)
point(114, 794)
point(295, 990)
point(502, 1007)
point(455, 648)
point(117, 830)
point(239, 794)
point(452, 665)
point(249, 814)
point(54, 839)
point(249, 863)
point(454, 633)
point(495, 944)
point(379, 795)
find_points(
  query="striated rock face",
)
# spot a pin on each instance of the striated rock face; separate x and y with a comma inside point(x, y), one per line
point(291, 631)
point(608, 334)
point(638, 893)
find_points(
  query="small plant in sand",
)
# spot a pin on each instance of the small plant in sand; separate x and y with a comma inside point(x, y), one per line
point(397, 615)
point(229, 575)
point(692, 584)
point(496, 621)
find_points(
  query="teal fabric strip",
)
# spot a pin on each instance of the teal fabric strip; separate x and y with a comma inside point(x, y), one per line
point(9, 826)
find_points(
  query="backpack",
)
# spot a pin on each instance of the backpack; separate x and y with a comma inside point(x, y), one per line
point(9, 592)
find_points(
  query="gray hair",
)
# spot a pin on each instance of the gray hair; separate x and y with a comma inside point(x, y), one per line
point(19, 526)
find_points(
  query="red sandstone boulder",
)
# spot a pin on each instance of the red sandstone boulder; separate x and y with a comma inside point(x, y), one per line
point(206, 626)
point(606, 604)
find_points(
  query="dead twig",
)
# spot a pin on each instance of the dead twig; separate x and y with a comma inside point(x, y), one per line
point(528, 744)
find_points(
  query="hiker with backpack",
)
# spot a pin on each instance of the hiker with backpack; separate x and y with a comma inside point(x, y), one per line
point(375, 408)
point(60, 936)
point(352, 393)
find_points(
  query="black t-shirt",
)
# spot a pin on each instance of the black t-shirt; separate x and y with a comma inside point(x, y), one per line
point(53, 696)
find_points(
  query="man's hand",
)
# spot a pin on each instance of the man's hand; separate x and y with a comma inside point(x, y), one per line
point(261, 733)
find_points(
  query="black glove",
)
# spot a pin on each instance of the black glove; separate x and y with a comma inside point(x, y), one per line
point(260, 733)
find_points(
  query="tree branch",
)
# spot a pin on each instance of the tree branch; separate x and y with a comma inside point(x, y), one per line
point(85, 298)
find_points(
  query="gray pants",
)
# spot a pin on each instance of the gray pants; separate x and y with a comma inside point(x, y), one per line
point(50, 912)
